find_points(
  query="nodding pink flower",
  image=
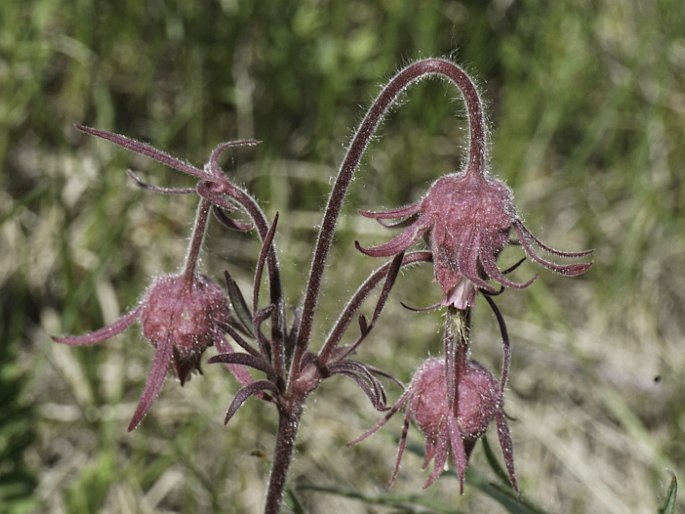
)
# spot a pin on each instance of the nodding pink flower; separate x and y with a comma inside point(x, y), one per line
point(450, 429)
point(180, 315)
point(184, 315)
point(467, 218)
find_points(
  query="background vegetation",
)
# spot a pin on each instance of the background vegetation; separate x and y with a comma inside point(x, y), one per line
point(587, 104)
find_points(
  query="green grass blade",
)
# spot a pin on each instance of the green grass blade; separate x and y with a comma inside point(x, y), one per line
point(668, 507)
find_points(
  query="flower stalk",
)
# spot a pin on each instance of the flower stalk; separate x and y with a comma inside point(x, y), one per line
point(288, 425)
point(196, 239)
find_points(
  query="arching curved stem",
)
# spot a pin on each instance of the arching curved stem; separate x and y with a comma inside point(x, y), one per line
point(400, 82)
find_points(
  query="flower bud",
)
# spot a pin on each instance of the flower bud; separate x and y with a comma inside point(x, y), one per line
point(478, 399)
point(184, 313)
point(450, 429)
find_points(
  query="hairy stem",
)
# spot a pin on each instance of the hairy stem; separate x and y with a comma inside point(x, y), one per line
point(457, 323)
point(196, 239)
point(360, 141)
point(288, 424)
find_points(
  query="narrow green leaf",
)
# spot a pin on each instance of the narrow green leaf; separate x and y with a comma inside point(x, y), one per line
point(668, 507)
point(293, 502)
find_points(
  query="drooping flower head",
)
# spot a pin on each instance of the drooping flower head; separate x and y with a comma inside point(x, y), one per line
point(181, 314)
point(185, 316)
point(451, 429)
point(181, 318)
point(467, 219)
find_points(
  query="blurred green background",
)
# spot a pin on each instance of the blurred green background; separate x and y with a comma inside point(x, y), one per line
point(586, 102)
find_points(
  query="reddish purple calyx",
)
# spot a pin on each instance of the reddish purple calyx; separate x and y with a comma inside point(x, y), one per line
point(467, 219)
point(450, 429)
point(470, 217)
point(453, 428)
point(479, 399)
point(185, 314)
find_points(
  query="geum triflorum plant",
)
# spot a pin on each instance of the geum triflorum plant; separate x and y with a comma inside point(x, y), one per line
point(467, 219)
